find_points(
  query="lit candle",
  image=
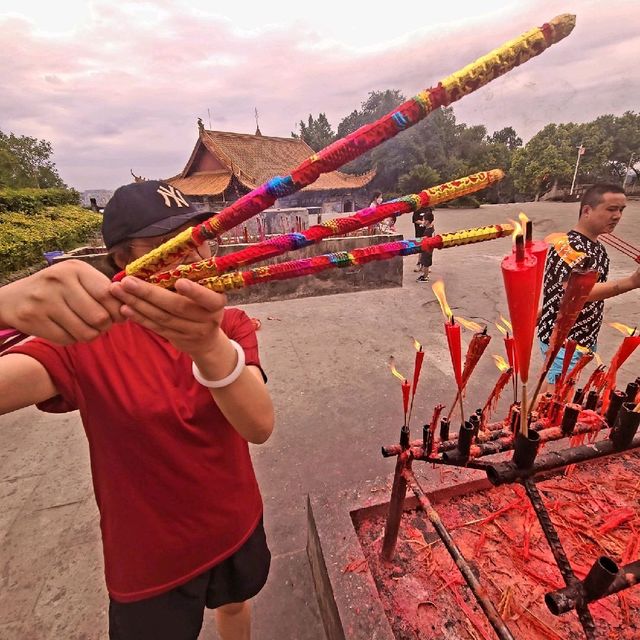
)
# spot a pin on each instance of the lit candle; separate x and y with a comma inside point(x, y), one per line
point(519, 271)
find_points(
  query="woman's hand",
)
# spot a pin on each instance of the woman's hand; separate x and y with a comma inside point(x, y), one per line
point(65, 303)
point(188, 317)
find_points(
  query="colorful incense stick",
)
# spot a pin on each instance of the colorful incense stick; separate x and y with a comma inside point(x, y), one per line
point(273, 247)
point(309, 266)
point(487, 68)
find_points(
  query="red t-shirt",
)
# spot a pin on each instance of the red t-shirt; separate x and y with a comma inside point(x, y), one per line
point(173, 480)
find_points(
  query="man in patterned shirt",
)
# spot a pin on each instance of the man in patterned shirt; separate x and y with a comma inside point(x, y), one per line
point(601, 209)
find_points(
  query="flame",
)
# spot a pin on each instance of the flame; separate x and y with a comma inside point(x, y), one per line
point(501, 329)
point(523, 218)
point(469, 324)
point(517, 230)
point(501, 363)
point(438, 290)
point(394, 371)
point(417, 345)
point(506, 323)
point(622, 328)
point(598, 359)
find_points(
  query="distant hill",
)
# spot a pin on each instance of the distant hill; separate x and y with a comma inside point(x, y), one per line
point(102, 196)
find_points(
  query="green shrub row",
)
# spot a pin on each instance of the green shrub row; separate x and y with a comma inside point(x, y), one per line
point(32, 200)
point(24, 237)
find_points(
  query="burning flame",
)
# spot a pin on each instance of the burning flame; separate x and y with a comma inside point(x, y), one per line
point(394, 371)
point(523, 218)
point(517, 230)
point(598, 359)
point(438, 290)
point(417, 345)
point(501, 363)
point(469, 324)
point(501, 329)
point(622, 328)
point(506, 323)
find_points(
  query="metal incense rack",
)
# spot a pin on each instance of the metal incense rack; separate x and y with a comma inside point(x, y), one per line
point(471, 448)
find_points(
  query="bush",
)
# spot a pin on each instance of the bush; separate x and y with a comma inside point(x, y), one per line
point(24, 237)
point(32, 200)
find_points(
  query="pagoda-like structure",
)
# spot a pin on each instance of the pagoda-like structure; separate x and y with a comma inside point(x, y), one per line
point(224, 166)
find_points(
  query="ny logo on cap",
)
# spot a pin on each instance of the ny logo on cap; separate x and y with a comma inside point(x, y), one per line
point(170, 192)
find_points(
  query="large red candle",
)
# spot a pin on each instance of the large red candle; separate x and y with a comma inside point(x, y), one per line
point(519, 272)
point(455, 349)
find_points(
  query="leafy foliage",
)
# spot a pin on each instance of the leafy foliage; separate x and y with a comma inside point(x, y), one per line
point(30, 200)
point(25, 236)
point(317, 133)
point(440, 149)
point(26, 162)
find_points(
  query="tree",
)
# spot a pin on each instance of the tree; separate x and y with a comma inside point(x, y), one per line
point(26, 162)
point(420, 177)
point(508, 137)
point(317, 133)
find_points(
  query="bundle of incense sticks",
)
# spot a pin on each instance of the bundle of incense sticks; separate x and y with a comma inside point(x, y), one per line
point(473, 76)
point(272, 247)
point(308, 266)
point(621, 245)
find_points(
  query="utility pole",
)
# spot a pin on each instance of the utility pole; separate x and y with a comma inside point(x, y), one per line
point(581, 151)
point(626, 173)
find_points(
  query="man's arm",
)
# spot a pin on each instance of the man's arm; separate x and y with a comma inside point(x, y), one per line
point(604, 290)
point(23, 381)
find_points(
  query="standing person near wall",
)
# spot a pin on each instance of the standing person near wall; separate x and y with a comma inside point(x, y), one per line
point(426, 257)
point(170, 393)
point(418, 226)
point(600, 211)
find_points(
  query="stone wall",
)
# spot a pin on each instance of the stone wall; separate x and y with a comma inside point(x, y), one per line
point(374, 275)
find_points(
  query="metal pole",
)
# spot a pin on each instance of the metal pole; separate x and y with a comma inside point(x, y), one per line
point(498, 624)
point(575, 173)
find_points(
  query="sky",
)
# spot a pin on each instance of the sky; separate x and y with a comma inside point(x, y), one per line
point(118, 86)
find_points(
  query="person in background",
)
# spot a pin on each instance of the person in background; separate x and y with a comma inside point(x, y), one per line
point(600, 211)
point(418, 226)
point(170, 392)
point(426, 257)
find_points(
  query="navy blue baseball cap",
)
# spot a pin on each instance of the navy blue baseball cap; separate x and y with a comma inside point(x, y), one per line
point(145, 209)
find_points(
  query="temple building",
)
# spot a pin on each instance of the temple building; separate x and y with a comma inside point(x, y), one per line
point(224, 166)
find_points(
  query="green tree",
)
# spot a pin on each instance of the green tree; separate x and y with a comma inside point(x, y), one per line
point(545, 161)
point(317, 133)
point(508, 137)
point(26, 162)
point(420, 177)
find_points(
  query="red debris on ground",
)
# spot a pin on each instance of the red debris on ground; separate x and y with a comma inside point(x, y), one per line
point(596, 512)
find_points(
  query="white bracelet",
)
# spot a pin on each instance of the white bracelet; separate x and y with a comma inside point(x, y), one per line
point(224, 382)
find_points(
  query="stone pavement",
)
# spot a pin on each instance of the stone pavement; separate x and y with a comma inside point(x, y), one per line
point(336, 404)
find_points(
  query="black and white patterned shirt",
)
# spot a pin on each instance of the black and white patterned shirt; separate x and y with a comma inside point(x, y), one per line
point(557, 270)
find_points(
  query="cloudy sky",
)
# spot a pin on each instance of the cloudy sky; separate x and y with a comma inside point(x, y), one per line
point(119, 85)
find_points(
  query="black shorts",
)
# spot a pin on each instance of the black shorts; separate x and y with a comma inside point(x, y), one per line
point(178, 614)
point(425, 259)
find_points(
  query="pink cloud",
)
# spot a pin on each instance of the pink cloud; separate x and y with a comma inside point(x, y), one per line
point(125, 91)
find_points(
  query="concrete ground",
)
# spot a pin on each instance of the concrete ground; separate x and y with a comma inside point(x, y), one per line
point(336, 402)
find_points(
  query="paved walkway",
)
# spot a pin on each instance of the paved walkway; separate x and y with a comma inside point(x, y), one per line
point(336, 405)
